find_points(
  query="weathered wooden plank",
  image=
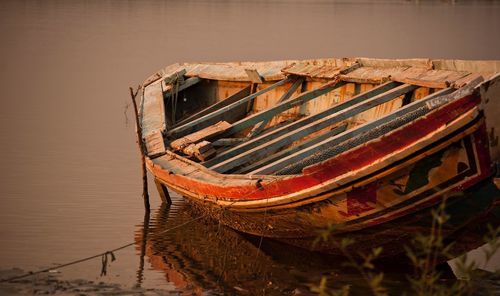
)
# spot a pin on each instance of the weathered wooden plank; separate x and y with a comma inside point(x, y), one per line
point(299, 133)
point(429, 78)
point(372, 74)
point(336, 140)
point(234, 71)
point(155, 144)
point(254, 76)
point(153, 110)
point(270, 71)
point(229, 100)
point(187, 83)
point(389, 63)
point(466, 79)
point(299, 123)
point(260, 126)
point(273, 157)
point(322, 71)
point(201, 122)
point(200, 135)
point(311, 70)
point(201, 151)
point(484, 67)
point(271, 112)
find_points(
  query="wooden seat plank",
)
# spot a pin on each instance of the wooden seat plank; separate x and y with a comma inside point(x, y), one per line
point(200, 135)
point(154, 144)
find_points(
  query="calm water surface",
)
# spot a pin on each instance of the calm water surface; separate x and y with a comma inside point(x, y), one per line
point(70, 182)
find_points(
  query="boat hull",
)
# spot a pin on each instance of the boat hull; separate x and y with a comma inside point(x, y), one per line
point(378, 181)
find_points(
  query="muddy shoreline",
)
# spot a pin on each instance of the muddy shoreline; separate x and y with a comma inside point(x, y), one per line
point(49, 283)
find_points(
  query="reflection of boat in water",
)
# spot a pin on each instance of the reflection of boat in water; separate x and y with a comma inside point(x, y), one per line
point(205, 256)
point(280, 149)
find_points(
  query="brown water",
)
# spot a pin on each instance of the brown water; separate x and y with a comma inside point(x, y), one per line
point(70, 180)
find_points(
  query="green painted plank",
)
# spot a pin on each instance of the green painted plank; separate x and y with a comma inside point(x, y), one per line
point(202, 122)
point(301, 132)
point(299, 123)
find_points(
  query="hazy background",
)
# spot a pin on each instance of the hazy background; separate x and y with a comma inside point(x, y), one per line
point(69, 168)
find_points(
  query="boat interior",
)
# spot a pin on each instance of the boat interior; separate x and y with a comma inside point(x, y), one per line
point(276, 118)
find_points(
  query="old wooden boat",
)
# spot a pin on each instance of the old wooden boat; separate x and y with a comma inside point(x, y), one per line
point(364, 146)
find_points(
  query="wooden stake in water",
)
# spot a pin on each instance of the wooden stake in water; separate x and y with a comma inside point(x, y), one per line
point(145, 194)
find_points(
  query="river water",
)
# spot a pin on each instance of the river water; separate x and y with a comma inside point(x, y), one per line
point(70, 183)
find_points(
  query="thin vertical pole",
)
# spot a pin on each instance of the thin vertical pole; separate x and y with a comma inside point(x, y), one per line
point(145, 194)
